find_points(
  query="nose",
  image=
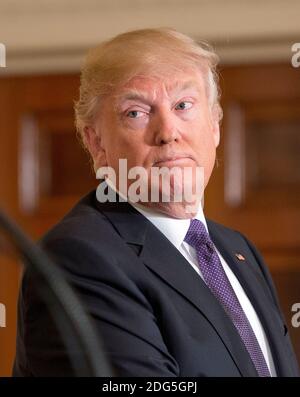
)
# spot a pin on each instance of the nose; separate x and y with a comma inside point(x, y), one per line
point(165, 129)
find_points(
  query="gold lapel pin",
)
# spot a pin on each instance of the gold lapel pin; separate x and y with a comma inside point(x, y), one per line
point(240, 257)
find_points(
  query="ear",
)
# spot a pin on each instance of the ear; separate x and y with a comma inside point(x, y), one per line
point(92, 141)
point(216, 124)
point(216, 132)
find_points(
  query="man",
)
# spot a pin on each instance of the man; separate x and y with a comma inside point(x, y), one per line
point(171, 292)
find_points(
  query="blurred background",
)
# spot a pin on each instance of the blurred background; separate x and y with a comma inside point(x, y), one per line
point(44, 171)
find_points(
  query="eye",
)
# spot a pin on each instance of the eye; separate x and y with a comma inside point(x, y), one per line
point(134, 114)
point(183, 105)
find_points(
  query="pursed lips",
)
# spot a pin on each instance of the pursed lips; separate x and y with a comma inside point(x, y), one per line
point(177, 158)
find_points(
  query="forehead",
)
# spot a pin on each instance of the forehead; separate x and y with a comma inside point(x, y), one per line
point(153, 86)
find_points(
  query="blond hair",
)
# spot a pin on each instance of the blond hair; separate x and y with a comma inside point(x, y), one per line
point(147, 51)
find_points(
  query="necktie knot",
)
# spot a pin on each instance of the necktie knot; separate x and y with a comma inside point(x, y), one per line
point(197, 235)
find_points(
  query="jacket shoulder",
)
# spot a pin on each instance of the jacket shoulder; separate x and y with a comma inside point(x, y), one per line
point(83, 222)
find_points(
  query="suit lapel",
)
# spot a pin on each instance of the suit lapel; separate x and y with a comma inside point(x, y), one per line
point(163, 259)
point(254, 285)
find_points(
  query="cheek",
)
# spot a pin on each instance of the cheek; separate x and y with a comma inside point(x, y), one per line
point(203, 143)
point(130, 147)
point(201, 132)
point(209, 156)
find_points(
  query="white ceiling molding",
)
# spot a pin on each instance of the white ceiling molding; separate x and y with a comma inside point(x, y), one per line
point(53, 35)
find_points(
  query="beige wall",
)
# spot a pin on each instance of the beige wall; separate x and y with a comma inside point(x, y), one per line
point(53, 35)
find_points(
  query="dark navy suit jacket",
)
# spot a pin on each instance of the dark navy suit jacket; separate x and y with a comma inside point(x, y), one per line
point(155, 314)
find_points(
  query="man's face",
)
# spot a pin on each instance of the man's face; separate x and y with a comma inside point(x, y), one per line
point(155, 122)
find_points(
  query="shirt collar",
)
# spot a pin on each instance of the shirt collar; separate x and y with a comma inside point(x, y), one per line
point(174, 229)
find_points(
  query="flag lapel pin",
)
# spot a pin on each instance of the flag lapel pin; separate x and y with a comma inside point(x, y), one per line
point(240, 257)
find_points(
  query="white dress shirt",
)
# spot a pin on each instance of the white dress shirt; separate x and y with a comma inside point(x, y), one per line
point(175, 230)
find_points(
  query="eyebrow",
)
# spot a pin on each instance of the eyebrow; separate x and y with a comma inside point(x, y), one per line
point(135, 94)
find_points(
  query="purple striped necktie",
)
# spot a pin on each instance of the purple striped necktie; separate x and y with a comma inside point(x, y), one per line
point(216, 279)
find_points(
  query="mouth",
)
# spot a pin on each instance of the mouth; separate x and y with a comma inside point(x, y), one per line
point(174, 160)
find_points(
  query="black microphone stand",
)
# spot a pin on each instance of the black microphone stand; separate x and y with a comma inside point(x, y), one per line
point(68, 313)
